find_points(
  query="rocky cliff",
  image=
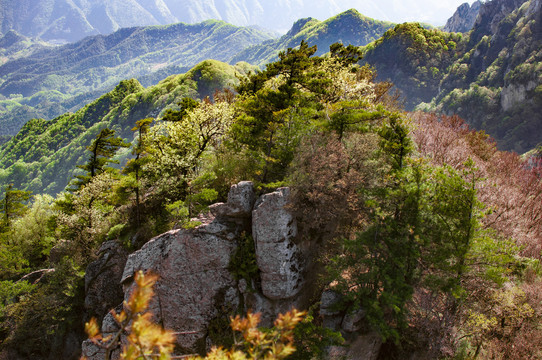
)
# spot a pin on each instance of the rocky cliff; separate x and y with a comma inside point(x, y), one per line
point(198, 288)
point(495, 85)
point(464, 17)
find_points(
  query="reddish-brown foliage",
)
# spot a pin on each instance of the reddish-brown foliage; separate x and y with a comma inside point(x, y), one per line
point(511, 189)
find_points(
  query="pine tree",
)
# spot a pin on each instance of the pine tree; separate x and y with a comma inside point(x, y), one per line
point(134, 166)
point(12, 205)
point(102, 149)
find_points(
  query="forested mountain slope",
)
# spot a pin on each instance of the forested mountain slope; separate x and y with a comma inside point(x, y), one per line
point(491, 76)
point(414, 59)
point(43, 154)
point(14, 45)
point(349, 27)
point(52, 81)
point(497, 84)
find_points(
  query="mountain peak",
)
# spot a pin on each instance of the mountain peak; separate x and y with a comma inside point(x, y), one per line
point(300, 24)
point(463, 18)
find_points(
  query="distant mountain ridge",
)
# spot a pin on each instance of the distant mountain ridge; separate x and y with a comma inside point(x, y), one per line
point(52, 81)
point(55, 81)
point(71, 20)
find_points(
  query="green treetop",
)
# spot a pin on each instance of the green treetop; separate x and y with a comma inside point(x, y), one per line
point(13, 204)
point(102, 149)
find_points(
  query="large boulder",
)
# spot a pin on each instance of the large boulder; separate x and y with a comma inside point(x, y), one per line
point(103, 290)
point(279, 259)
point(194, 280)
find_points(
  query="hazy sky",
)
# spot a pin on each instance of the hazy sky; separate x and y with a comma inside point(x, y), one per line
point(435, 12)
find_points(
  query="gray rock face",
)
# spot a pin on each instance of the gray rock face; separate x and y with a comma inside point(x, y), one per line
point(328, 303)
point(464, 18)
point(278, 257)
point(352, 321)
point(103, 290)
point(193, 280)
point(515, 94)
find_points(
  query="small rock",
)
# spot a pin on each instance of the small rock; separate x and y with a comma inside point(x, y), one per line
point(240, 202)
point(352, 321)
point(329, 303)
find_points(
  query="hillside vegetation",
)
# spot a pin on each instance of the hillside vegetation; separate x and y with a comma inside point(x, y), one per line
point(43, 154)
point(489, 76)
point(415, 59)
point(51, 81)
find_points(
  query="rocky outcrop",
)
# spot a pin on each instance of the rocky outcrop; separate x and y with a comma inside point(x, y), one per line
point(195, 284)
point(240, 202)
point(194, 280)
point(102, 280)
point(274, 229)
point(516, 94)
point(196, 288)
point(464, 18)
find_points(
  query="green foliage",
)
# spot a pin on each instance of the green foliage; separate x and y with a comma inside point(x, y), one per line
point(243, 262)
point(11, 292)
point(102, 149)
point(186, 105)
point(415, 58)
point(48, 151)
point(41, 319)
point(312, 340)
point(34, 233)
point(12, 205)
